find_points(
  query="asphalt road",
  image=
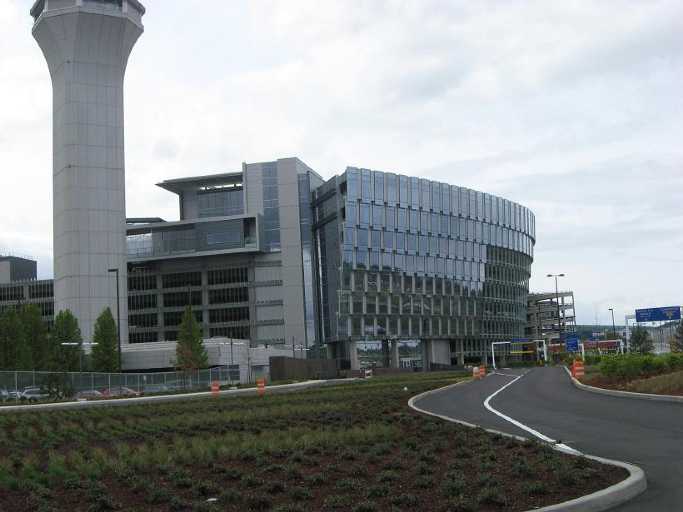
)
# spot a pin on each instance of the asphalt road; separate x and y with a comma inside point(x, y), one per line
point(647, 434)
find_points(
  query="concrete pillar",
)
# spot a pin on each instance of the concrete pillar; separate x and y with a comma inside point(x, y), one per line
point(461, 353)
point(385, 353)
point(394, 354)
point(353, 355)
point(426, 355)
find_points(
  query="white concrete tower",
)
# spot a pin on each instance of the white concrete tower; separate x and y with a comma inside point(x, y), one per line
point(86, 44)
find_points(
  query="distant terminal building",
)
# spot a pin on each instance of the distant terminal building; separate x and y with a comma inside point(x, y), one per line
point(550, 314)
point(19, 285)
point(16, 268)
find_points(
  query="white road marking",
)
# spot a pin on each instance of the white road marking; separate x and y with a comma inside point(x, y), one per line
point(504, 374)
point(522, 426)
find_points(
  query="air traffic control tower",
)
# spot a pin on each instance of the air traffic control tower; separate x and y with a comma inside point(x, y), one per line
point(86, 44)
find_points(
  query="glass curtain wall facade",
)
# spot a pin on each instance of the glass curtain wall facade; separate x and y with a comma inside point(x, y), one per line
point(406, 258)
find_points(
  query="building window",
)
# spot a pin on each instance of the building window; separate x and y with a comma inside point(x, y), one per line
point(136, 302)
point(143, 337)
point(140, 282)
point(180, 280)
point(228, 295)
point(228, 275)
point(180, 299)
point(223, 202)
point(143, 320)
point(225, 315)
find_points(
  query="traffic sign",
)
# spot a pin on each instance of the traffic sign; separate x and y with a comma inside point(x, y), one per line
point(658, 314)
point(572, 343)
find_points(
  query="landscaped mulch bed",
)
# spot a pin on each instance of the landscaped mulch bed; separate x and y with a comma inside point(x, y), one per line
point(354, 447)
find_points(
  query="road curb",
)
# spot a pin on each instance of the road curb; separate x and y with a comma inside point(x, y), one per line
point(278, 388)
point(623, 394)
point(605, 499)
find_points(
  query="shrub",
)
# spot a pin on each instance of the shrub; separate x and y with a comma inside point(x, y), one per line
point(365, 506)
point(424, 469)
point(536, 488)
point(157, 495)
point(378, 491)
point(491, 496)
point(289, 508)
point(453, 488)
point(275, 487)
point(631, 366)
point(337, 502)
point(387, 476)
point(316, 479)
point(259, 503)
point(424, 482)
point(405, 500)
point(459, 504)
point(522, 468)
point(348, 484)
point(300, 493)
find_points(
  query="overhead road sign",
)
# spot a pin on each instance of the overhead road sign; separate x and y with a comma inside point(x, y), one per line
point(666, 314)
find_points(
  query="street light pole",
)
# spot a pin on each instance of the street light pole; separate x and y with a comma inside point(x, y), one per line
point(614, 327)
point(118, 315)
point(557, 300)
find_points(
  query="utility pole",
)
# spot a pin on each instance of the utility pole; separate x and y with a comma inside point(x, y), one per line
point(614, 328)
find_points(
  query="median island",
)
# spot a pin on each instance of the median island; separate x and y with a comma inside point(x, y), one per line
point(351, 447)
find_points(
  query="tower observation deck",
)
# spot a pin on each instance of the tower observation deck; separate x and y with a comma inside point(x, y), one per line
point(86, 44)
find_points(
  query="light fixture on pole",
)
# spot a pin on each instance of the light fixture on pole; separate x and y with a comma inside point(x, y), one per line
point(557, 300)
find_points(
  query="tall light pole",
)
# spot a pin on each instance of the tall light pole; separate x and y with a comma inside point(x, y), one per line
point(118, 316)
point(614, 327)
point(557, 300)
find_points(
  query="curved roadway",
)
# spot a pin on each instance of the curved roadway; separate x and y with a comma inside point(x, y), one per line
point(646, 433)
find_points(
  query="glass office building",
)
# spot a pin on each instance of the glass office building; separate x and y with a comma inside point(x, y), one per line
point(378, 268)
point(414, 272)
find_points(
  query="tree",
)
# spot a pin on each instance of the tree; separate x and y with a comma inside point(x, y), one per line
point(641, 341)
point(35, 335)
point(105, 355)
point(190, 351)
point(677, 339)
point(66, 330)
point(14, 353)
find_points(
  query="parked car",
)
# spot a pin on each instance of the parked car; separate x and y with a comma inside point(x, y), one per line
point(157, 388)
point(119, 391)
point(4, 395)
point(91, 394)
point(33, 395)
point(14, 396)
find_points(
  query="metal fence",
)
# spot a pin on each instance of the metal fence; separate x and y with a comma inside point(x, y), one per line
point(13, 383)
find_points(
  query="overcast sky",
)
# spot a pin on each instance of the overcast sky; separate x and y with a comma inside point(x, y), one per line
point(574, 109)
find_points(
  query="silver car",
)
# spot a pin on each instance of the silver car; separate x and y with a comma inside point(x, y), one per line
point(33, 395)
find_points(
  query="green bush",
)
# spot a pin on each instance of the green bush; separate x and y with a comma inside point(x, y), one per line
point(632, 366)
